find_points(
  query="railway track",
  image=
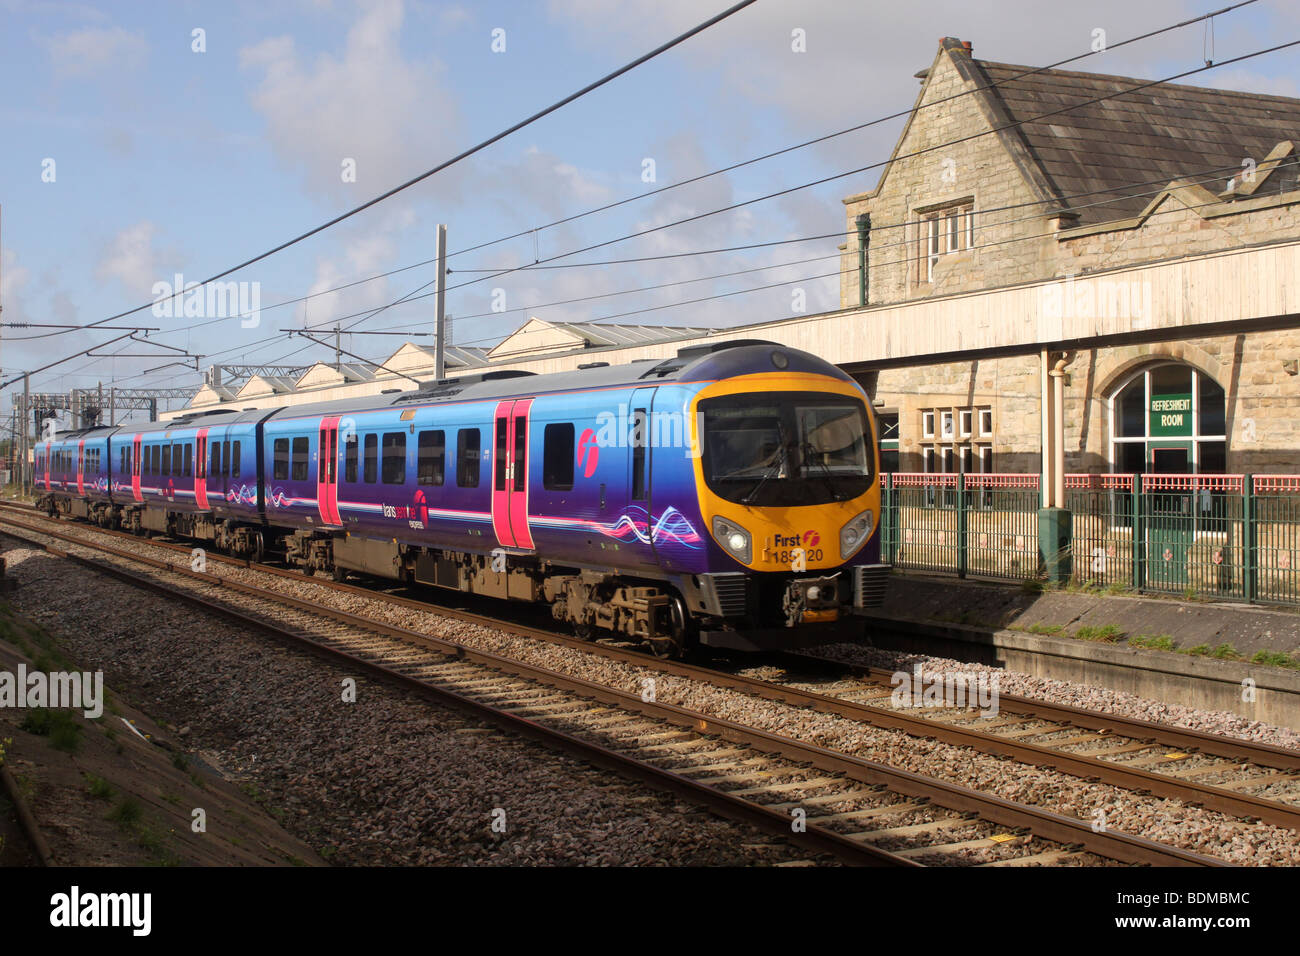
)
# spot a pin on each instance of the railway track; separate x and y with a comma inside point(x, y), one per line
point(825, 801)
point(1242, 778)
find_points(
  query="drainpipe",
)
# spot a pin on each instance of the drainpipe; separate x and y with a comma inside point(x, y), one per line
point(1058, 374)
point(864, 244)
point(1054, 521)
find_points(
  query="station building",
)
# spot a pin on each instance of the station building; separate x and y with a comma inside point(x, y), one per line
point(1048, 177)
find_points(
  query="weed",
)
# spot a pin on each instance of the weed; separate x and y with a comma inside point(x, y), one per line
point(1161, 642)
point(98, 787)
point(126, 813)
point(1276, 659)
point(1200, 650)
point(1105, 635)
point(1046, 628)
point(59, 725)
point(1225, 652)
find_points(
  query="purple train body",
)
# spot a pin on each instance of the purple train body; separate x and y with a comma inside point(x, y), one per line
point(727, 495)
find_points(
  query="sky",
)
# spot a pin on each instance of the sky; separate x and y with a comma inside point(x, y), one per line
point(144, 140)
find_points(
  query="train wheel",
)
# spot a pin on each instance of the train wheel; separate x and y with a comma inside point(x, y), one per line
point(584, 632)
point(680, 631)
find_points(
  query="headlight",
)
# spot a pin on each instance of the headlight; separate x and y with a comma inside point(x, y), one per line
point(853, 534)
point(733, 538)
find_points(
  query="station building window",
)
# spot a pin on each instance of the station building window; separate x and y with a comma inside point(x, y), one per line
point(953, 440)
point(944, 230)
point(1171, 419)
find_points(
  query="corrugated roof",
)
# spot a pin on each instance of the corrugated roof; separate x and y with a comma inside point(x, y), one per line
point(598, 333)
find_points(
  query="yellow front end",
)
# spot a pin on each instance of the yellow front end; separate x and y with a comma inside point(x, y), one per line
point(790, 538)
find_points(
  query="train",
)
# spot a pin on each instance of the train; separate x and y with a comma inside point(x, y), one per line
point(726, 497)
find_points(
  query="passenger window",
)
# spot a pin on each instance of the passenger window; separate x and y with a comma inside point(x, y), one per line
point(350, 459)
point(300, 459)
point(166, 460)
point(432, 451)
point(215, 470)
point(157, 458)
point(394, 458)
point(234, 459)
point(640, 439)
point(225, 457)
point(521, 452)
point(372, 459)
point(280, 454)
point(557, 457)
point(499, 472)
point(467, 457)
point(189, 460)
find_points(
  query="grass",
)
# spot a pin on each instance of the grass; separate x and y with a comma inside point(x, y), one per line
point(1046, 628)
point(129, 815)
point(126, 813)
point(1161, 642)
point(1276, 659)
point(59, 725)
point(99, 787)
point(1225, 652)
point(180, 761)
point(1105, 635)
point(1200, 650)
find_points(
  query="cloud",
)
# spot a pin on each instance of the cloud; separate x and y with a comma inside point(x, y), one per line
point(96, 49)
point(371, 104)
point(129, 258)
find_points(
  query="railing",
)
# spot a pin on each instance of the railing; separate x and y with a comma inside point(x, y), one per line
point(1233, 537)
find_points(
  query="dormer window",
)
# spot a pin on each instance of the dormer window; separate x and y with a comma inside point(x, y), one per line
point(945, 230)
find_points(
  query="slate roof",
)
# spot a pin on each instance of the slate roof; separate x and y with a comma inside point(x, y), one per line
point(1156, 135)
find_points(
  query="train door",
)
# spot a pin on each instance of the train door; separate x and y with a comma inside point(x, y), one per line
point(218, 467)
point(327, 460)
point(47, 466)
point(201, 469)
point(638, 490)
point(510, 474)
point(136, 447)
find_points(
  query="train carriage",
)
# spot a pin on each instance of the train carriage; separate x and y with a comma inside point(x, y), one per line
point(727, 495)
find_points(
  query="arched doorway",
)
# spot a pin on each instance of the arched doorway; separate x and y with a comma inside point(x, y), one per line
point(1168, 418)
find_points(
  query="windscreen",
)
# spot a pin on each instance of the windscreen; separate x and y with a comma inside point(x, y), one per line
point(786, 448)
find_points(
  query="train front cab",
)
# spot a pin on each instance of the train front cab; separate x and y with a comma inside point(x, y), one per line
point(789, 493)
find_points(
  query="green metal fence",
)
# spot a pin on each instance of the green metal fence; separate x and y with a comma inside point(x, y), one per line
point(981, 525)
point(1232, 537)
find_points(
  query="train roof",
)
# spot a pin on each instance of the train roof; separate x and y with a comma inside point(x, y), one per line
point(700, 362)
